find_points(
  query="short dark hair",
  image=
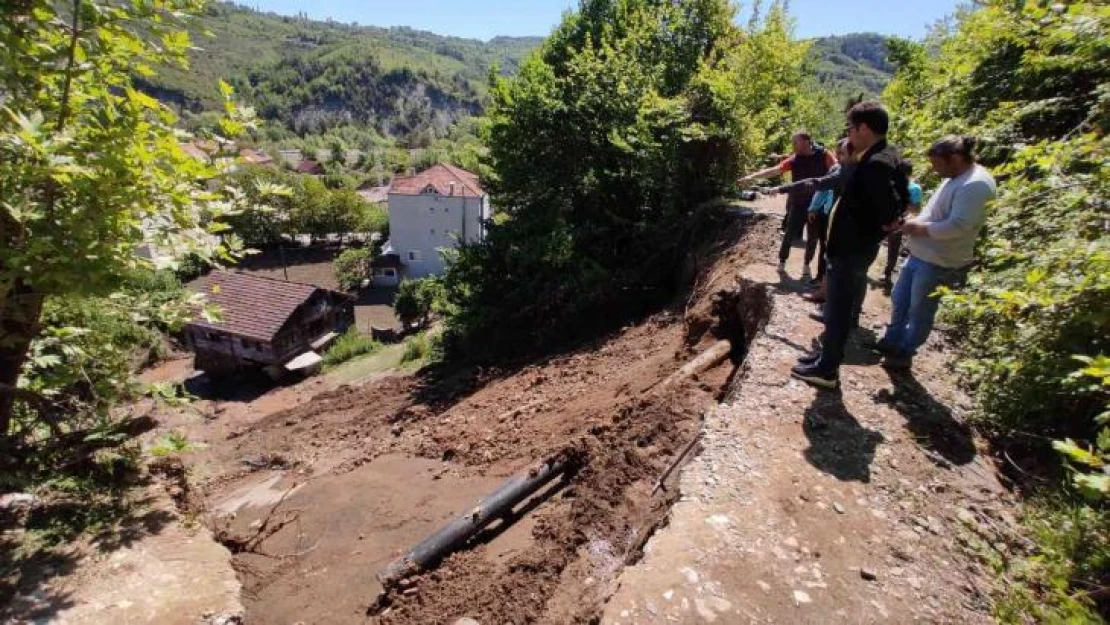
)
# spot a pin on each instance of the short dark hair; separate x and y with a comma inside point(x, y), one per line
point(954, 145)
point(905, 167)
point(871, 114)
point(802, 134)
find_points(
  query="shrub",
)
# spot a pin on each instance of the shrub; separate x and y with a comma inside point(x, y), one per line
point(422, 347)
point(416, 299)
point(350, 345)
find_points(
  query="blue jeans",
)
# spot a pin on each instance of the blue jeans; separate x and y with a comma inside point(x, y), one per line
point(846, 278)
point(914, 302)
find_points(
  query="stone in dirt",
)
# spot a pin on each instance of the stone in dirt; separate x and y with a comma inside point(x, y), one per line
point(801, 597)
point(868, 574)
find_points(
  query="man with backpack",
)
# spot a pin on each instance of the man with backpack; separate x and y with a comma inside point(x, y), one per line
point(871, 203)
point(809, 160)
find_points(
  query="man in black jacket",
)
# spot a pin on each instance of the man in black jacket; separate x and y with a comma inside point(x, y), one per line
point(869, 207)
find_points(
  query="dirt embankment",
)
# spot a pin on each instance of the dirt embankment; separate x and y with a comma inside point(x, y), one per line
point(331, 491)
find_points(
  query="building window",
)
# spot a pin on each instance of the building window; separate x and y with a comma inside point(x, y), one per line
point(213, 336)
point(415, 256)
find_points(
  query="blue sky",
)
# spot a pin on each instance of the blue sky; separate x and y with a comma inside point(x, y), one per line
point(483, 19)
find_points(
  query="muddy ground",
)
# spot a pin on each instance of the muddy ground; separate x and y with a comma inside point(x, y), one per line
point(319, 497)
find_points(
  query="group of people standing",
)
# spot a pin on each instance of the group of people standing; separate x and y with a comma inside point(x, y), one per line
point(847, 204)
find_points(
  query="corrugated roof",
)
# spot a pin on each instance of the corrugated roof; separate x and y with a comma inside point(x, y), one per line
point(254, 307)
point(440, 177)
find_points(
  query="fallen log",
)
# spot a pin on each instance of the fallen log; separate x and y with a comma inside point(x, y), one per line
point(711, 357)
point(455, 534)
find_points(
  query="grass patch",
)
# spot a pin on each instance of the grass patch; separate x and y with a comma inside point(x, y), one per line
point(422, 348)
point(350, 345)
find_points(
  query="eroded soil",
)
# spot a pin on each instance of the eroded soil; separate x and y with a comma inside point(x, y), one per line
point(351, 477)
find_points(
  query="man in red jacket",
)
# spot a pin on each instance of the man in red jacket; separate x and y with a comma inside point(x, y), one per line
point(808, 161)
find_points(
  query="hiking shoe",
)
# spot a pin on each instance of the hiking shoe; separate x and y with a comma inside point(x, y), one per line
point(897, 360)
point(809, 359)
point(812, 375)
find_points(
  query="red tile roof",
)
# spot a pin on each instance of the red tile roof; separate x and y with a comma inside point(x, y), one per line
point(251, 306)
point(440, 177)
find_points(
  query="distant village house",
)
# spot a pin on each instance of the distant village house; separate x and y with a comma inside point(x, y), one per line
point(266, 324)
point(439, 208)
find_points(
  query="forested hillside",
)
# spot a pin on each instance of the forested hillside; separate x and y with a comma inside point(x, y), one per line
point(313, 77)
point(852, 64)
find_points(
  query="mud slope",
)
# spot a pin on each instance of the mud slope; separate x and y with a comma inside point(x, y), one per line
point(333, 490)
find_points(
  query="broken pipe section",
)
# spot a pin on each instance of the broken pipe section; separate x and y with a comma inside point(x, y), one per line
point(499, 504)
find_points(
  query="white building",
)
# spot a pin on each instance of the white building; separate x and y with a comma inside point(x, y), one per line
point(432, 211)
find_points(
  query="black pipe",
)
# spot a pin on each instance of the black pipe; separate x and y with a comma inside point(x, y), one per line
point(455, 534)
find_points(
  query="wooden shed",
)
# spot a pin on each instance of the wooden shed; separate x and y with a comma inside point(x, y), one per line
point(265, 323)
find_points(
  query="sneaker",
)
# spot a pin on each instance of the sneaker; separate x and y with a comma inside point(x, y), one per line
point(817, 316)
point(897, 360)
point(809, 359)
point(813, 376)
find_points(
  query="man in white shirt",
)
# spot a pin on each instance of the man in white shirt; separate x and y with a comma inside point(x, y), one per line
point(941, 242)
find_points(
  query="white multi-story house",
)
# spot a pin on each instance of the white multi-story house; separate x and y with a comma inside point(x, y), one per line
point(435, 210)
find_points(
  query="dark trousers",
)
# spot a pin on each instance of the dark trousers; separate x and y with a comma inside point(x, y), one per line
point(846, 278)
point(893, 247)
point(822, 227)
point(797, 221)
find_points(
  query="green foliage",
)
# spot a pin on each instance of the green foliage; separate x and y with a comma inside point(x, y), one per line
point(286, 203)
point(349, 346)
point(173, 443)
point(416, 299)
point(352, 266)
point(1031, 82)
point(1060, 581)
point(628, 119)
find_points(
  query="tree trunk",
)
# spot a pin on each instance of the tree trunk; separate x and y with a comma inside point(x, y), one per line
point(20, 312)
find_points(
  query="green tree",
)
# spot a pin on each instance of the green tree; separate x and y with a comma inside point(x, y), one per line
point(352, 266)
point(602, 153)
point(89, 167)
point(416, 299)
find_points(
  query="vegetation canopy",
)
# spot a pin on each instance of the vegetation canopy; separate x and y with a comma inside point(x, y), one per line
point(602, 155)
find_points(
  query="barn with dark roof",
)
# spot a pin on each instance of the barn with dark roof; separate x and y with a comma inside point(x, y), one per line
point(263, 322)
